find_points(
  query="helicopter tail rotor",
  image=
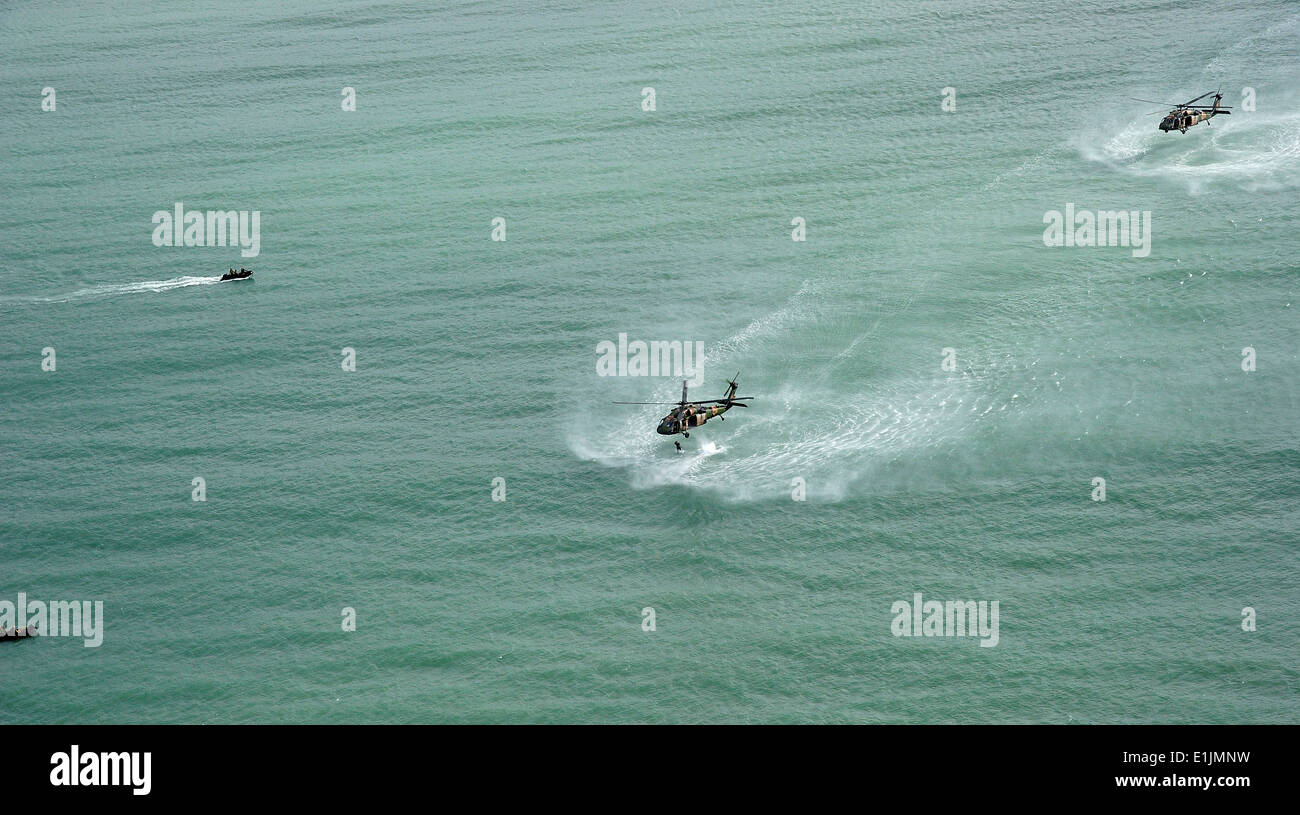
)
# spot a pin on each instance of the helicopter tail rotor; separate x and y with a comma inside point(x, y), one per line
point(731, 387)
point(730, 399)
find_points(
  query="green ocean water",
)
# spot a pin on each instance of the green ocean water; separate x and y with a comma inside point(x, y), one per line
point(476, 360)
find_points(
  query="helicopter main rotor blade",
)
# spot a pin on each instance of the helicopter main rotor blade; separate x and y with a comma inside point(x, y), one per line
point(1154, 102)
point(645, 403)
point(1197, 99)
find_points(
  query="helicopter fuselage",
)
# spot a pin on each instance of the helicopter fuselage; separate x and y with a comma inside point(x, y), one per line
point(684, 418)
point(1183, 119)
point(1190, 114)
point(686, 414)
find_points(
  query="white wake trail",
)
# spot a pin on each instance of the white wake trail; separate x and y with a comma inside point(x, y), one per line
point(111, 289)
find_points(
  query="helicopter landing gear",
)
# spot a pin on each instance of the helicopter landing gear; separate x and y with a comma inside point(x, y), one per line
point(687, 435)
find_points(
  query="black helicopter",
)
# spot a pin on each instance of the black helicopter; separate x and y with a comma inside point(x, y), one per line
point(693, 414)
point(1189, 114)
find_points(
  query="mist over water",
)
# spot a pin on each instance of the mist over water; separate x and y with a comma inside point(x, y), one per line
point(476, 360)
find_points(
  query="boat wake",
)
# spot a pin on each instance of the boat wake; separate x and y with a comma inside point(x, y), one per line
point(111, 289)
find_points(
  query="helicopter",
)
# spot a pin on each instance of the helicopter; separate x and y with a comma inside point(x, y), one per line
point(1189, 114)
point(693, 414)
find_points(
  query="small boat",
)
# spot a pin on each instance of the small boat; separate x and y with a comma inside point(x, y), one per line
point(242, 274)
point(16, 634)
